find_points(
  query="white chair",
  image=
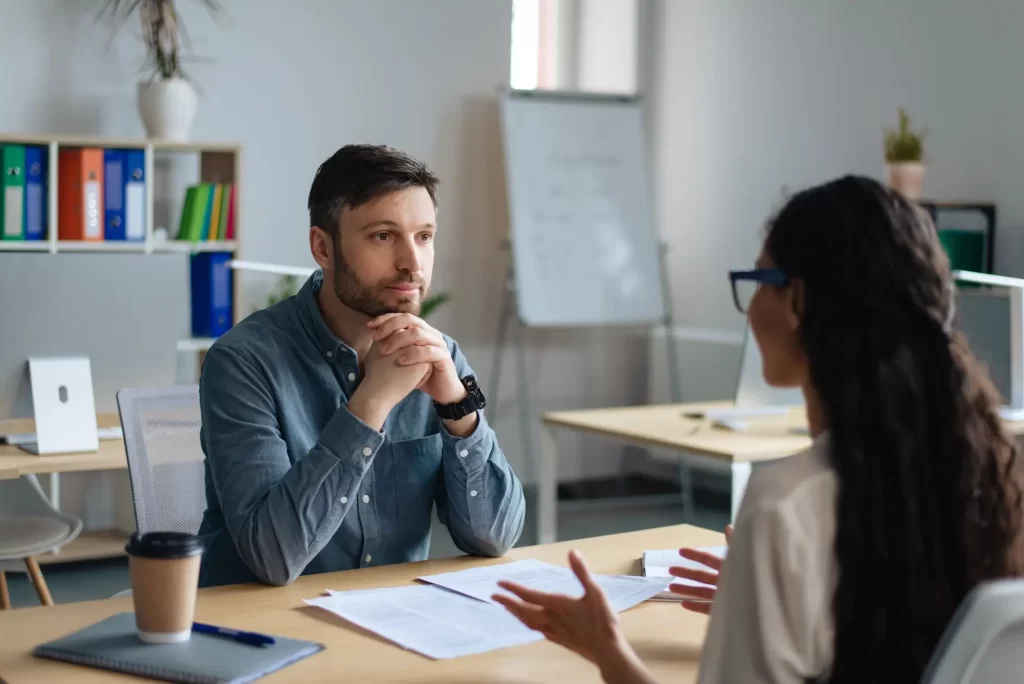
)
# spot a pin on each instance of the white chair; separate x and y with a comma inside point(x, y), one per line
point(984, 642)
point(29, 526)
point(165, 457)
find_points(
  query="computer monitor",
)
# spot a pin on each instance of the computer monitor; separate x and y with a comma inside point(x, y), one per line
point(751, 389)
point(983, 316)
point(992, 319)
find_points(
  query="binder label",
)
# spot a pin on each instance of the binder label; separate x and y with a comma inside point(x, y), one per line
point(34, 211)
point(135, 211)
point(93, 220)
point(12, 211)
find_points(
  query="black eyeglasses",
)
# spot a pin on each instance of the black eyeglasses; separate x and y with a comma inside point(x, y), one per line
point(745, 284)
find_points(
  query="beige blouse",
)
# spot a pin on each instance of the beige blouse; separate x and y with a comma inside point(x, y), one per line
point(772, 617)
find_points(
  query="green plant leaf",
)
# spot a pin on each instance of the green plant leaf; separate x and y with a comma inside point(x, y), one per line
point(165, 38)
point(903, 144)
point(431, 303)
point(286, 286)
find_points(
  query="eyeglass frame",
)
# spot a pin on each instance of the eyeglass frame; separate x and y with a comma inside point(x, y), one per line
point(761, 276)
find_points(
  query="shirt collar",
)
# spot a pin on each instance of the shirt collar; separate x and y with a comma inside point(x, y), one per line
point(313, 321)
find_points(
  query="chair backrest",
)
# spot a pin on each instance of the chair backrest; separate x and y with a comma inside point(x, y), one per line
point(165, 457)
point(984, 641)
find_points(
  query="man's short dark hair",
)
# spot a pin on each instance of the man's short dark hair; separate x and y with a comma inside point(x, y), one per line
point(357, 174)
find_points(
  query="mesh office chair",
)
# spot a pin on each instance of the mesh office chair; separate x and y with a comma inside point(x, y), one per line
point(29, 526)
point(165, 457)
point(984, 642)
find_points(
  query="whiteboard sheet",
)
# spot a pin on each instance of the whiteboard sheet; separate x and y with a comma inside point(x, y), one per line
point(584, 247)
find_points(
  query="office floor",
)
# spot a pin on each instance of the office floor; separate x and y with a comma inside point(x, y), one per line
point(577, 519)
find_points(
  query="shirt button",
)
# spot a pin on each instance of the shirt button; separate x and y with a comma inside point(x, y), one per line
point(344, 499)
point(463, 454)
point(351, 377)
point(369, 558)
point(366, 499)
point(367, 451)
point(473, 493)
point(330, 354)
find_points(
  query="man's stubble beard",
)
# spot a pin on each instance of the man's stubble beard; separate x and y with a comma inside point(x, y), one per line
point(359, 296)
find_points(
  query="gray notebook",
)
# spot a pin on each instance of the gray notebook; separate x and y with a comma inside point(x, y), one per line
point(114, 645)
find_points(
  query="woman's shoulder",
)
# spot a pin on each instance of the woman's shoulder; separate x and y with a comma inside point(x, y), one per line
point(803, 480)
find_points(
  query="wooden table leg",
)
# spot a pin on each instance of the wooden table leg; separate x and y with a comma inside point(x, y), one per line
point(547, 487)
point(38, 582)
point(5, 597)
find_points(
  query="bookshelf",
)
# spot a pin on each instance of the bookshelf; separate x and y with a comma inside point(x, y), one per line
point(217, 162)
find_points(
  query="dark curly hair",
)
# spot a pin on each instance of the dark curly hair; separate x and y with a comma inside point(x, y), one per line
point(929, 498)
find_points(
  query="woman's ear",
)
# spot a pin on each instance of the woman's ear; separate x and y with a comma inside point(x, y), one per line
point(795, 310)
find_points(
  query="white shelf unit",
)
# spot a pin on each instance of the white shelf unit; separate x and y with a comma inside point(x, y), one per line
point(218, 163)
point(195, 344)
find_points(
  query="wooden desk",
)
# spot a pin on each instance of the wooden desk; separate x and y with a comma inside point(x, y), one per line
point(666, 637)
point(696, 441)
point(14, 463)
point(13, 459)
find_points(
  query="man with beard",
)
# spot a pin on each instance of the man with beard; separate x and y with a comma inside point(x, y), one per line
point(336, 419)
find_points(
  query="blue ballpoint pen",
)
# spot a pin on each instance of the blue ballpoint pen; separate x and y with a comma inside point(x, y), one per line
point(251, 638)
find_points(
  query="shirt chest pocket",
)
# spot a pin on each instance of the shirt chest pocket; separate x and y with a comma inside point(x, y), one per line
point(416, 467)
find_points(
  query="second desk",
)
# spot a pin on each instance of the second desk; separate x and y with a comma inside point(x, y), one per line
point(696, 441)
point(14, 463)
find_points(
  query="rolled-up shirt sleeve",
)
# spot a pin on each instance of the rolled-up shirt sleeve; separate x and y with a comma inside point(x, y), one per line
point(479, 499)
point(279, 514)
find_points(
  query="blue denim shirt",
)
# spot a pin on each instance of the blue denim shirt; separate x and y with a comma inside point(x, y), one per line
point(296, 484)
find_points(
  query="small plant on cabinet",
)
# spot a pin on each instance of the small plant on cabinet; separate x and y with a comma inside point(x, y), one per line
point(904, 157)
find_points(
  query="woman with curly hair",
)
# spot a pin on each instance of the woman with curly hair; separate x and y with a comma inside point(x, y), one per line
point(849, 559)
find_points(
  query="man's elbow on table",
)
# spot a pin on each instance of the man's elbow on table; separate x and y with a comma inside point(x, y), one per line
point(498, 539)
point(270, 567)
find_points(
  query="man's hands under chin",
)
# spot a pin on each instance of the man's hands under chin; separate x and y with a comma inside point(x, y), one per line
point(385, 383)
point(411, 342)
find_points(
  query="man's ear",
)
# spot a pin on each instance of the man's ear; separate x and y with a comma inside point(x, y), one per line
point(321, 245)
point(797, 300)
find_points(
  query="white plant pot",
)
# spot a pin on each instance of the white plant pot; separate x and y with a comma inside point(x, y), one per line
point(906, 178)
point(167, 108)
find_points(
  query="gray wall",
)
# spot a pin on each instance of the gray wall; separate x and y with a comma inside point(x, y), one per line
point(751, 96)
point(123, 311)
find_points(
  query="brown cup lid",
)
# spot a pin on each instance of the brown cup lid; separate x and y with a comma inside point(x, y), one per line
point(166, 545)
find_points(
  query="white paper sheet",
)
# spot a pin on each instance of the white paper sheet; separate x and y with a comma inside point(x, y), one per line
point(429, 620)
point(482, 583)
point(657, 563)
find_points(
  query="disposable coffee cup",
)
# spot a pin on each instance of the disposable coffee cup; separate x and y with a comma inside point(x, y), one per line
point(164, 569)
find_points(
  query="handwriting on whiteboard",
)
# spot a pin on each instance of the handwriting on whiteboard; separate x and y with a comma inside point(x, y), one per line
point(575, 216)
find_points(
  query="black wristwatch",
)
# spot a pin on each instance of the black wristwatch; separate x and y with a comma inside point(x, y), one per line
point(473, 402)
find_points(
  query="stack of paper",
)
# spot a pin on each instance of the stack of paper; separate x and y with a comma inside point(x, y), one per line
point(657, 563)
point(623, 591)
point(454, 615)
point(429, 620)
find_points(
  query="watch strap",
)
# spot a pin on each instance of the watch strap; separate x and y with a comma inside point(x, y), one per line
point(473, 402)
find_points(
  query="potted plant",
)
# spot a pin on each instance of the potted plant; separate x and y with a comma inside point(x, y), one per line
point(166, 96)
point(904, 157)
